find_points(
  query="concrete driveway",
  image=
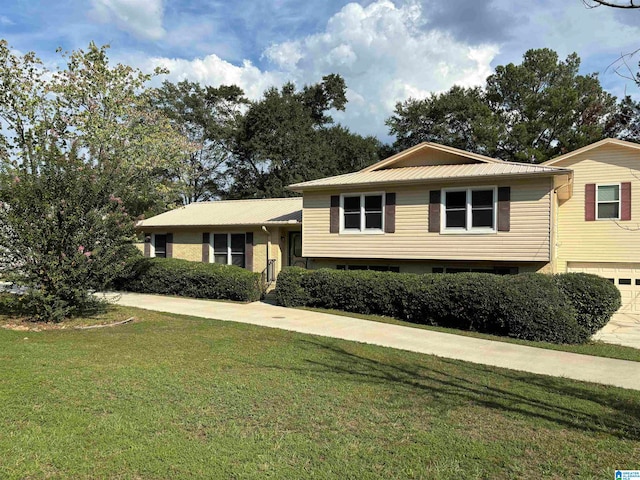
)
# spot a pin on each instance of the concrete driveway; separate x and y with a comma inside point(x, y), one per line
point(622, 329)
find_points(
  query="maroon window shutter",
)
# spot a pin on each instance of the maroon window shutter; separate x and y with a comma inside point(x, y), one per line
point(206, 238)
point(169, 245)
point(504, 209)
point(147, 244)
point(390, 213)
point(248, 251)
point(434, 211)
point(334, 214)
point(625, 201)
point(590, 202)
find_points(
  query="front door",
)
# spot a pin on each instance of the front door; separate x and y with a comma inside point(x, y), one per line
point(295, 250)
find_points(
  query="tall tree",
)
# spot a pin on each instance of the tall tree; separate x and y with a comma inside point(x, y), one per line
point(288, 136)
point(528, 112)
point(207, 116)
point(546, 107)
point(80, 154)
point(459, 118)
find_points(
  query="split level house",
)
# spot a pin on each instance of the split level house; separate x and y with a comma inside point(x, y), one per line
point(433, 209)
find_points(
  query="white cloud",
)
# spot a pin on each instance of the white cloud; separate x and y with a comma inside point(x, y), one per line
point(212, 70)
point(6, 21)
point(384, 51)
point(142, 18)
point(386, 54)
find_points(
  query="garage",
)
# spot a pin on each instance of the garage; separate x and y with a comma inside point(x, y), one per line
point(625, 276)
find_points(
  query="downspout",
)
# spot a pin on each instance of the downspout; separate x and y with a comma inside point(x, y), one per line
point(556, 214)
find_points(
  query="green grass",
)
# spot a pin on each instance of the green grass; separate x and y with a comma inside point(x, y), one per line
point(595, 348)
point(180, 397)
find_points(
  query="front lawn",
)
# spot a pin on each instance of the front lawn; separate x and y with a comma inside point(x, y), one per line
point(180, 397)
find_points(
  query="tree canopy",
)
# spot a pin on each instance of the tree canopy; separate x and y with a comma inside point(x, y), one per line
point(82, 153)
point(528, 112)
point(288, 136)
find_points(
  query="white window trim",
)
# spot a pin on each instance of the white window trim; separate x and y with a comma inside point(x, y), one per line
point(619, 185)
point(469, 230)
point(362, 230)
point(212, 252)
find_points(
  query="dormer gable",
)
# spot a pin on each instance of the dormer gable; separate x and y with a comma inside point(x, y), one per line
point(428, 154)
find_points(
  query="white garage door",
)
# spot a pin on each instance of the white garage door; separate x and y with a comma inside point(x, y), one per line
point(625, 276)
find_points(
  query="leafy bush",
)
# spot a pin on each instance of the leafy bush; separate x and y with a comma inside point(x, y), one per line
point(172, 276)
point(594, 298)
point(528, 306)
point(290, 292)
point(535, 309)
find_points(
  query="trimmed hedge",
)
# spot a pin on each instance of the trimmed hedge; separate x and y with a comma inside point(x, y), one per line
point(528, 306)
point(594, 298)
point(172, 276)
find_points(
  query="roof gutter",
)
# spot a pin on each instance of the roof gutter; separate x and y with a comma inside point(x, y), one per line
point(418, 181)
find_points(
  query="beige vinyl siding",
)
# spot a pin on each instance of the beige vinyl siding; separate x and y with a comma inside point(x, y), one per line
point(419, 267)
point(600, 240)
point(528, 240)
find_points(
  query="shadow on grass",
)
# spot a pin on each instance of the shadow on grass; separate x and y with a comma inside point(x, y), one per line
point(451, 384)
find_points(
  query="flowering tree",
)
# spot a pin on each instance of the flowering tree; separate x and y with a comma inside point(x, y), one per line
point(81, 155)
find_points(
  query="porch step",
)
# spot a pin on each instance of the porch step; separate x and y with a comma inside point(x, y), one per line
point(270, 297)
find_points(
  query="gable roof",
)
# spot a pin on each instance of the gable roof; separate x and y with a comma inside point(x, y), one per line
point(408, 175)
point(389, 162)
point(606, 141)
point(264, 211)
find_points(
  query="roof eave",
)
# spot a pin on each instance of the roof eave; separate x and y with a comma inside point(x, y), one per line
point(300, 188)
point(140, 225)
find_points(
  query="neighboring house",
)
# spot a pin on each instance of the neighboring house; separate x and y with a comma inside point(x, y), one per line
point(438, 209)
point(259, 235)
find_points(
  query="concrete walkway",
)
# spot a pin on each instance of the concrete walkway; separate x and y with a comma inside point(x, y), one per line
point(607, 371)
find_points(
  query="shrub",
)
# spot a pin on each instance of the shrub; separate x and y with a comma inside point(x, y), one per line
point(529, 306)
point(594, 298)
point(535, 309)
point(290, 292)
point(172, 276)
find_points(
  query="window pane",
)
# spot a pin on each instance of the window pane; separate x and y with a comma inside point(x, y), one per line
point(482, 198)
point(161, 246)
point(220, 258)
point(237, 243)
point(352, 220)
point(352, 204)
point(356, 267)
point(456, 199)
point(237, 260)
point(608, 193)
point(456, 219)
point(482, 218)
point(297, 245)
point(373, 203)
point(608, 210)
point(373, 220)
point(220, 243)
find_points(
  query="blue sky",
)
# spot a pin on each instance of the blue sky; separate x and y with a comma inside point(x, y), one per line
point(387, 50)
